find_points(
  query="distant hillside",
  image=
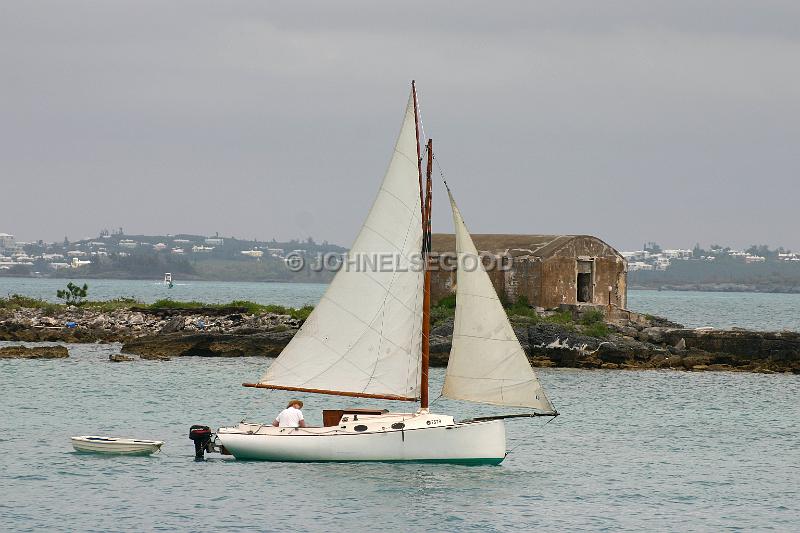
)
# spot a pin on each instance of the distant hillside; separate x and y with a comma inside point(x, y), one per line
point(723, 274)
point(149, 256)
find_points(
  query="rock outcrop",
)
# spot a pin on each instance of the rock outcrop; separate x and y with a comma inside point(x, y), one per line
point(34, 352)
point(123, 325)
point(208, 345)
point(627, 340)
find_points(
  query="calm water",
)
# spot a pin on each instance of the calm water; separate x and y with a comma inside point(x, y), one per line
point(751, 310)
point(289, 294)
point(759, 311)
point(650, 450)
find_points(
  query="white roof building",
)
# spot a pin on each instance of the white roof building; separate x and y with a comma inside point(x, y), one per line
point(6, 241)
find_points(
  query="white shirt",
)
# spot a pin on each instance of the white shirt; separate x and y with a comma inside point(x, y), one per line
point(290, 418)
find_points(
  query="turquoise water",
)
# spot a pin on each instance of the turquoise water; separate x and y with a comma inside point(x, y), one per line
point(645, 450)
point(760, 311)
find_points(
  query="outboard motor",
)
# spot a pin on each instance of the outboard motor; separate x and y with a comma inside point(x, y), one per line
point(201, 435)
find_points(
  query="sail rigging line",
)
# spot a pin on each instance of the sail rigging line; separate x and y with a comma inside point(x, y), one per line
point(419, 156)
point(441, 173)
point(541, 430)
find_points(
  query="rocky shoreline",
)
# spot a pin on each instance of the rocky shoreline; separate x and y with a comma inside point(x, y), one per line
point(628, 341)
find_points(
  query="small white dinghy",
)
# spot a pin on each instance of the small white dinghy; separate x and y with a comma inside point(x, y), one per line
point(95, 444)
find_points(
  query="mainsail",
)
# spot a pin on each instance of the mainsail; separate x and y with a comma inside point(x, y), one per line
point(364, 336)
point(487, 363)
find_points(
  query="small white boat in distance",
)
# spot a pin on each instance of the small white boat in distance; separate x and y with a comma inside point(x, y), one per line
point(95, 444)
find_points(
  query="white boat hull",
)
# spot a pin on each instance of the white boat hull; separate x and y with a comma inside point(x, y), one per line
point(114, 445)
point(425, 438)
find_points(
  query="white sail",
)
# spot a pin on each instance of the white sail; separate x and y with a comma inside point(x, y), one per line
point(364, 336)
point(487, 363)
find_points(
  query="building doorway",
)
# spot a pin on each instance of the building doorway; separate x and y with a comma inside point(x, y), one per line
point(584, 283)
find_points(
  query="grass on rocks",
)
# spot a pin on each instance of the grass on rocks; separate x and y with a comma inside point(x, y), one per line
point(520, 312)
point(248, 306)
point(591, 323)
point(16, 302)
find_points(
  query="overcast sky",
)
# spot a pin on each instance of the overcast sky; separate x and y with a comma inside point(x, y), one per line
point(668, 121)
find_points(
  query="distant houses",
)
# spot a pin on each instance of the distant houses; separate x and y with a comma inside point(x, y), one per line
point(662, 259)
point(7, 242)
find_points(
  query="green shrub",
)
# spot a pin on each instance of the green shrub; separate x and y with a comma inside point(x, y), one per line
point(112, 305)
point(592, 316)
point(298, 314)
point(448, 302)
point(302, 313)
point(73, 294)
point(561, 317)
point(174, 304)
point(440, 314)
point(444, 309)
point(277, 309)
point(597, 329)
point(251, 307)
point(527, 320)
point(521, 308)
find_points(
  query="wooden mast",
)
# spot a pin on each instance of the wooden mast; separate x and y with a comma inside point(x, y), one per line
point(426, 295)
point(424, 201)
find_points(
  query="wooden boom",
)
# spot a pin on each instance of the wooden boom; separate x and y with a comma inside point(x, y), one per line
point(332, 392)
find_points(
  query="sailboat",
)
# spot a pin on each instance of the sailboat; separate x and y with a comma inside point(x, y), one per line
point(368, 338)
